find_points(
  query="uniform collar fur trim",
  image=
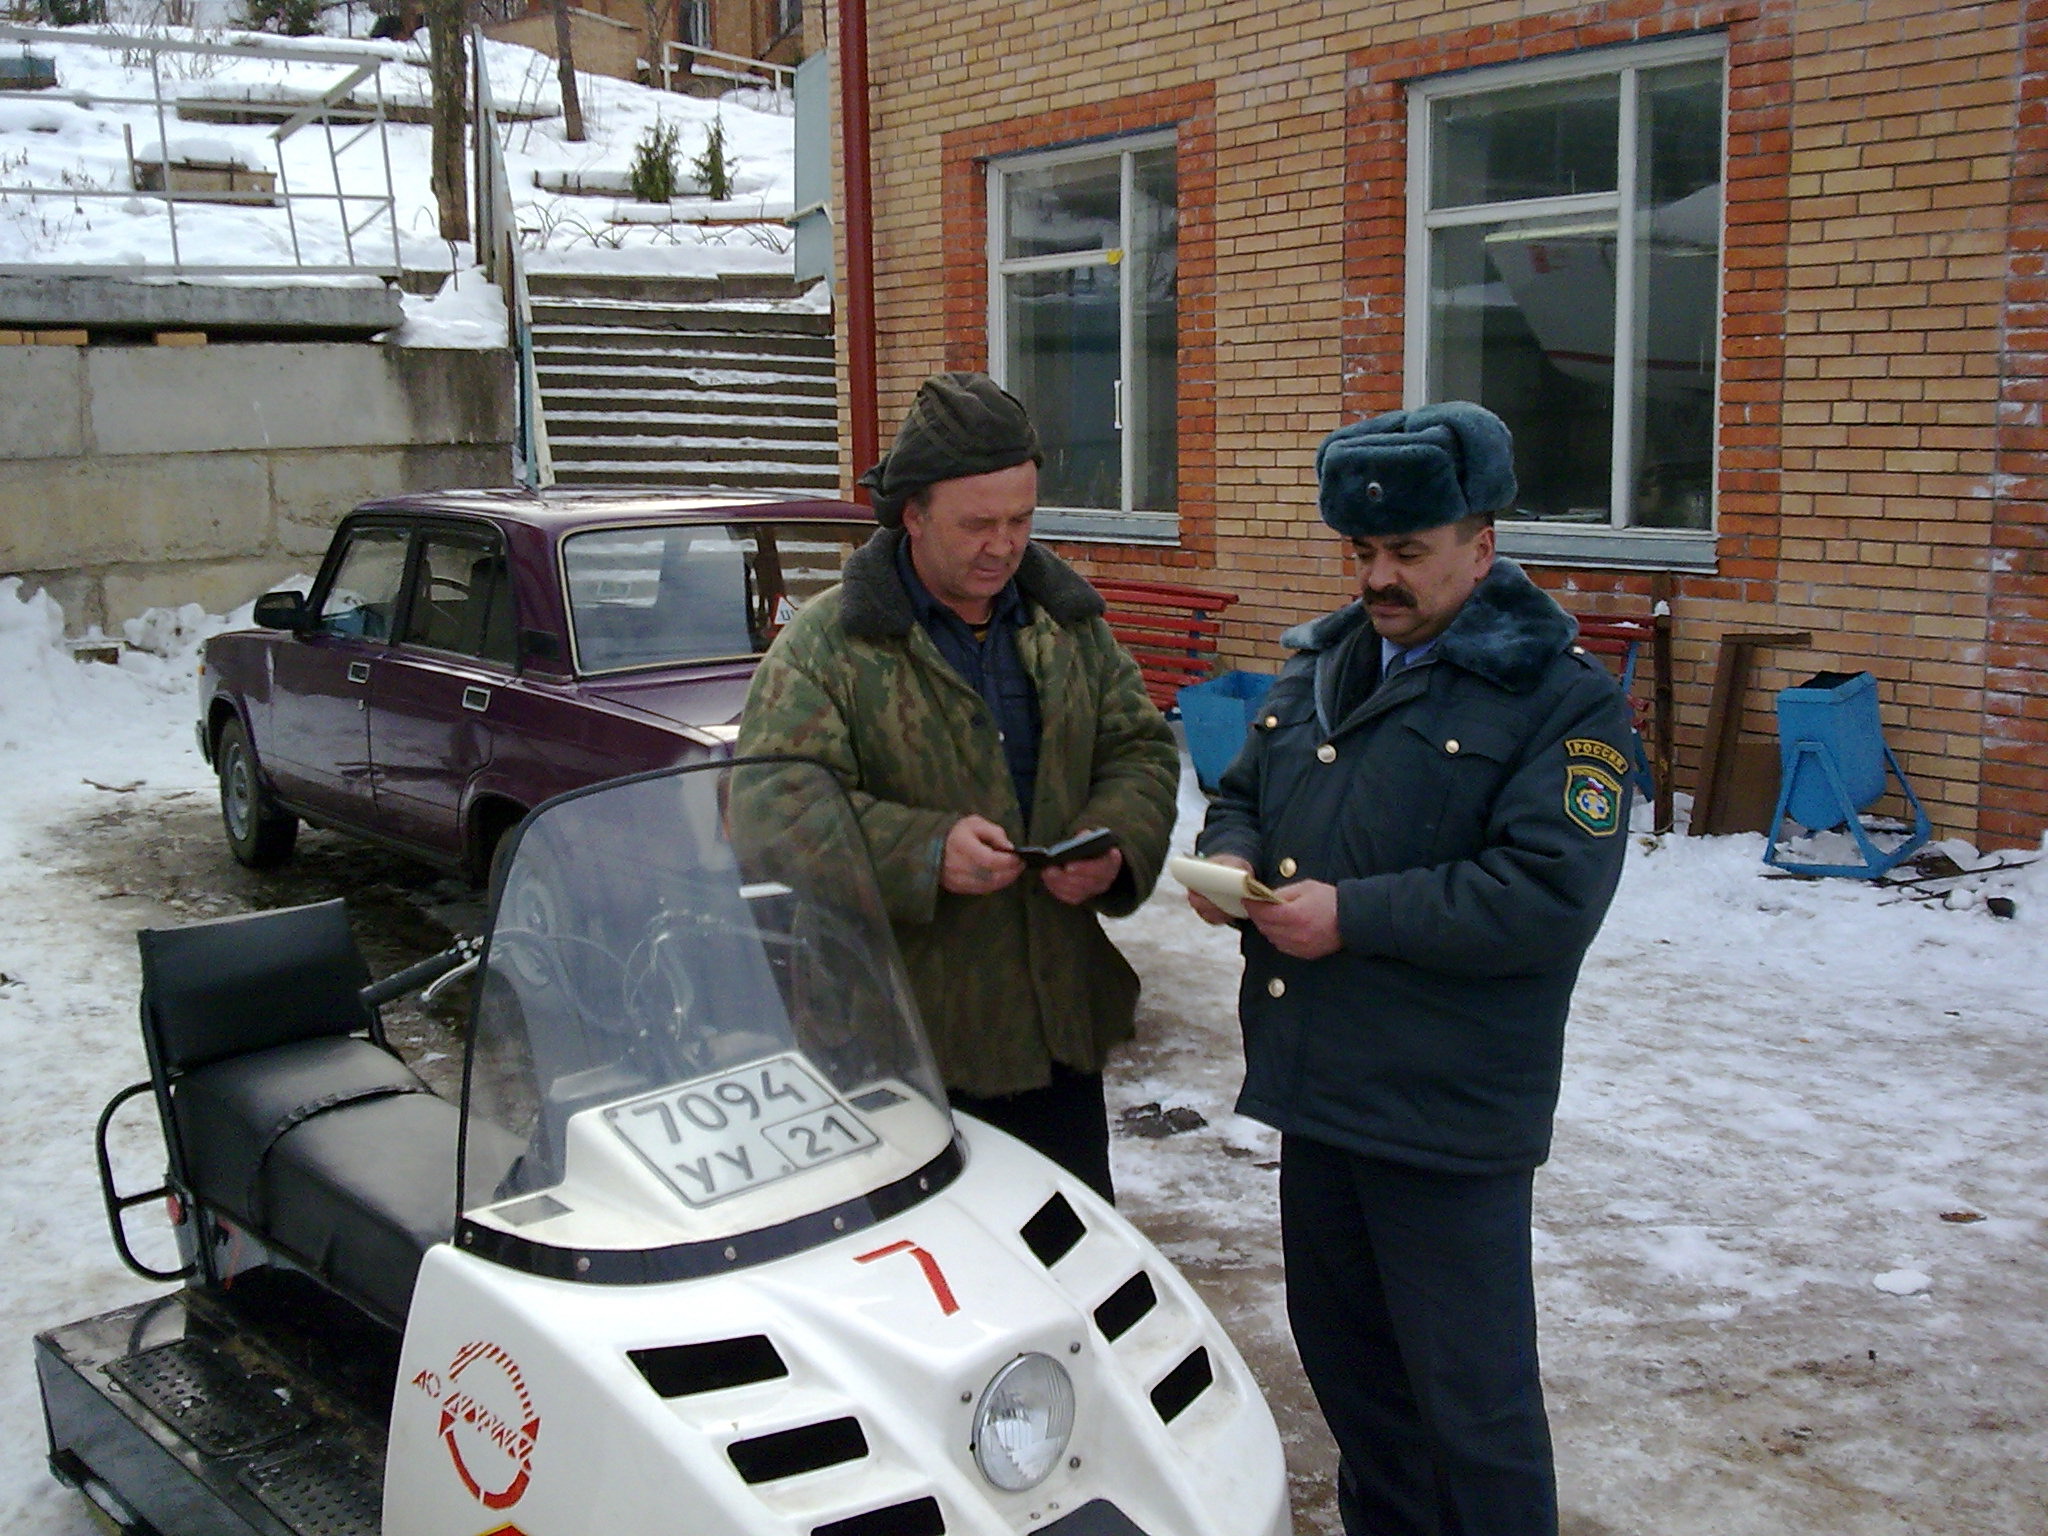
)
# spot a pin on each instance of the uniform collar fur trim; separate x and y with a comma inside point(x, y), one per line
point(874, 606)
point(1509, 630)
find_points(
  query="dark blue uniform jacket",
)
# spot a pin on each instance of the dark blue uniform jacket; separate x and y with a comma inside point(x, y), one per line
point(1473, 816)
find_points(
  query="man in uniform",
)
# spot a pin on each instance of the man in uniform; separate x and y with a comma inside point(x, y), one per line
point(1435, 790)
point(963, 684)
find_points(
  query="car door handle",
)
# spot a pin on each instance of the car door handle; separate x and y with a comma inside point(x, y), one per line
point(359, 671)
point(476, 698)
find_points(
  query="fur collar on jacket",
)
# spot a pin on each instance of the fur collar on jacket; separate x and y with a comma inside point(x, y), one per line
point(874, 606)
point(1508, 632)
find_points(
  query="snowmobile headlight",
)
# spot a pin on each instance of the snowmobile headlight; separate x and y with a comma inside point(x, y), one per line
point(1023, 1421)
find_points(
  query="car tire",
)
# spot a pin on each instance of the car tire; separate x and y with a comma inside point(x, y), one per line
point(259, 834)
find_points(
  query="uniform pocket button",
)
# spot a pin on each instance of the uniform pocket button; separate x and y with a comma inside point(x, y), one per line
point(1272, 722)
point(1287, 868)
point(1451, 746)
point(1276, 987)
point(1326, 753)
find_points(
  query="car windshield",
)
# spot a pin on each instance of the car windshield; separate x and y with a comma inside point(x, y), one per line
point(693, 1027)
point(654, 596)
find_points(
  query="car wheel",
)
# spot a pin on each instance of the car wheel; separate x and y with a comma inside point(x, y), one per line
point(259, 834)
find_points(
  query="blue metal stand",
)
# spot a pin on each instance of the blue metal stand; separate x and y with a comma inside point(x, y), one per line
point(1814, 763)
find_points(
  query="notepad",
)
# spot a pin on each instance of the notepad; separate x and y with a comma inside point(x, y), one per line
point(1225, 884)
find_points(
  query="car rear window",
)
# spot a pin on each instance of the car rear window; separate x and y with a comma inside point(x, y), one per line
point(655, 596)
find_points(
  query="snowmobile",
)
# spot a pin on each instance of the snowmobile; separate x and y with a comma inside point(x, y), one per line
point(699, 1249)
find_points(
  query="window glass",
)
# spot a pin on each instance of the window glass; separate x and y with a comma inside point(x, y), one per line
point(1152, 397)
point(1552, 140)
point(1085, 329)
point(461, 598)
point(362, 600)
point(1064, 208)
point(1064, 358)
point(1592, 327)
point(1677, 297)
point(657, 596)
point(1525, 325)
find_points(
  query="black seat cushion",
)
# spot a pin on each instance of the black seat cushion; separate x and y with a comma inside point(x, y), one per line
point(334, 1152)
point(229, 1114)
point(362, 1193)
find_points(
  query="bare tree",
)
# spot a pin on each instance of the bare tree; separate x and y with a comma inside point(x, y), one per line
point(660, 18)
point(565, 71)
point(448, 69)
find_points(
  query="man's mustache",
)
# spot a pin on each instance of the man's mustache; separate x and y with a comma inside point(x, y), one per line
point(1391, 597)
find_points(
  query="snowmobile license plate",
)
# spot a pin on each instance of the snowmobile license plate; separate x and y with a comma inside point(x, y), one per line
point(717, 1136)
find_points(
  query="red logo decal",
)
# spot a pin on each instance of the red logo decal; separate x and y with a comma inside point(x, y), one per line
point(934, 1277)
point(488, 1424)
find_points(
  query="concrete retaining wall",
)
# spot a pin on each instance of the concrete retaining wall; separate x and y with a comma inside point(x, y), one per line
point(138, 477)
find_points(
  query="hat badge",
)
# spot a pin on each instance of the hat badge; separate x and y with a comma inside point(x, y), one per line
point(1373, 491)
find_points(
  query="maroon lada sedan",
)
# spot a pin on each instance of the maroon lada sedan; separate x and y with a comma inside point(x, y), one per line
point(464, 655)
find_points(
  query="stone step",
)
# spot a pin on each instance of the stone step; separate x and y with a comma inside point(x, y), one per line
point(629, 288)
point(567, 448)
point(736, 318)
point(743, 389)
point(619, 425)
point(794, 354)
point(818, 415)
point(686, 476)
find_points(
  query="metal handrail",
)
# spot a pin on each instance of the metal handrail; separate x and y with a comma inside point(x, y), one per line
point(781, 77)
point(363, 64)
point(497, 249)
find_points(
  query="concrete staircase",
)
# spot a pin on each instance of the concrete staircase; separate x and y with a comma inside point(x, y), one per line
point(714, 383)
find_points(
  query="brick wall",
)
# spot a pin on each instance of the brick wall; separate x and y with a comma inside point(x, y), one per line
point(1883, 458)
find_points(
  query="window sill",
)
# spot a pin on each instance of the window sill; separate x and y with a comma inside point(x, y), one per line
point(1612, 548)
point(1076, 526)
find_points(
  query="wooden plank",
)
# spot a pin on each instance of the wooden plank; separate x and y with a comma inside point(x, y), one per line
point(1713, 795)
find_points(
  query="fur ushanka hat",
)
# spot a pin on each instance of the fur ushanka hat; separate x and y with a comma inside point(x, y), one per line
point(1411, 470)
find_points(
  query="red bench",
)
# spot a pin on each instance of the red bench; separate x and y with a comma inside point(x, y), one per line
point(1623, 639)
point(1169, 630)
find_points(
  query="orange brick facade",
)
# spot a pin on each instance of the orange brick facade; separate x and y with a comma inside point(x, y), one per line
point(1882, 452)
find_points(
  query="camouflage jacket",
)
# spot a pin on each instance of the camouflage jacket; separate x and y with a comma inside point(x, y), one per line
point(1011, 982)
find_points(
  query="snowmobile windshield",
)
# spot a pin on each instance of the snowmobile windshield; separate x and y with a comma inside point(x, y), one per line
point(694, 1046)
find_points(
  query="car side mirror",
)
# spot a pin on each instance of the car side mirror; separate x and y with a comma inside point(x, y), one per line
point(281, 610)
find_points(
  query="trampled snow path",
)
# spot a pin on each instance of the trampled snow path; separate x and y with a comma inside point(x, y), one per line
point(1761, 1317)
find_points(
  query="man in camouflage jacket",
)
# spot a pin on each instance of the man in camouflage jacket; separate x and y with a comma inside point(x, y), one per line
point(1021, 991)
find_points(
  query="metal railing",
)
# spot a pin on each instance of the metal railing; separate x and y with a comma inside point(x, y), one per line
point(338, 102)
point(497, 251)
point(684, 59)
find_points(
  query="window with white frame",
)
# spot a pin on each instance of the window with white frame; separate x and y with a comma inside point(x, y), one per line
point(1083, 328)
point(1565, 271)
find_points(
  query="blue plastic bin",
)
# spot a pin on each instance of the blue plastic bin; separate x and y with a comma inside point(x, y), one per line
point(1837, 711)
point(1216, 715)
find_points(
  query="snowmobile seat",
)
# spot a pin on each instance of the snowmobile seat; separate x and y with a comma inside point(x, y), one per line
point(283, 1110)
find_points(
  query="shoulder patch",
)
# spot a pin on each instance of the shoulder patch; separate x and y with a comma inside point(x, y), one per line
point(1599, 751)
point(1592, 798)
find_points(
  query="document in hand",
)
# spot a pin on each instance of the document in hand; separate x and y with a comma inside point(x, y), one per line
point(1225, 884)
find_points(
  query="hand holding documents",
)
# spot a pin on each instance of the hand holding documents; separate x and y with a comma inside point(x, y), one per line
point(1225, 884)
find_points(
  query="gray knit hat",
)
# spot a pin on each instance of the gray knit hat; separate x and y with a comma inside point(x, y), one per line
point(1410, 470)
point(959, 424)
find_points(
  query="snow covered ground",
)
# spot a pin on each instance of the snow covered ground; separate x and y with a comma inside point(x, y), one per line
point(1790, 1242)
point(58, 139)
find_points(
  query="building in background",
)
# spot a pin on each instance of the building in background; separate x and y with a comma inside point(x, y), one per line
point(640, 39)
point(1759, 285)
